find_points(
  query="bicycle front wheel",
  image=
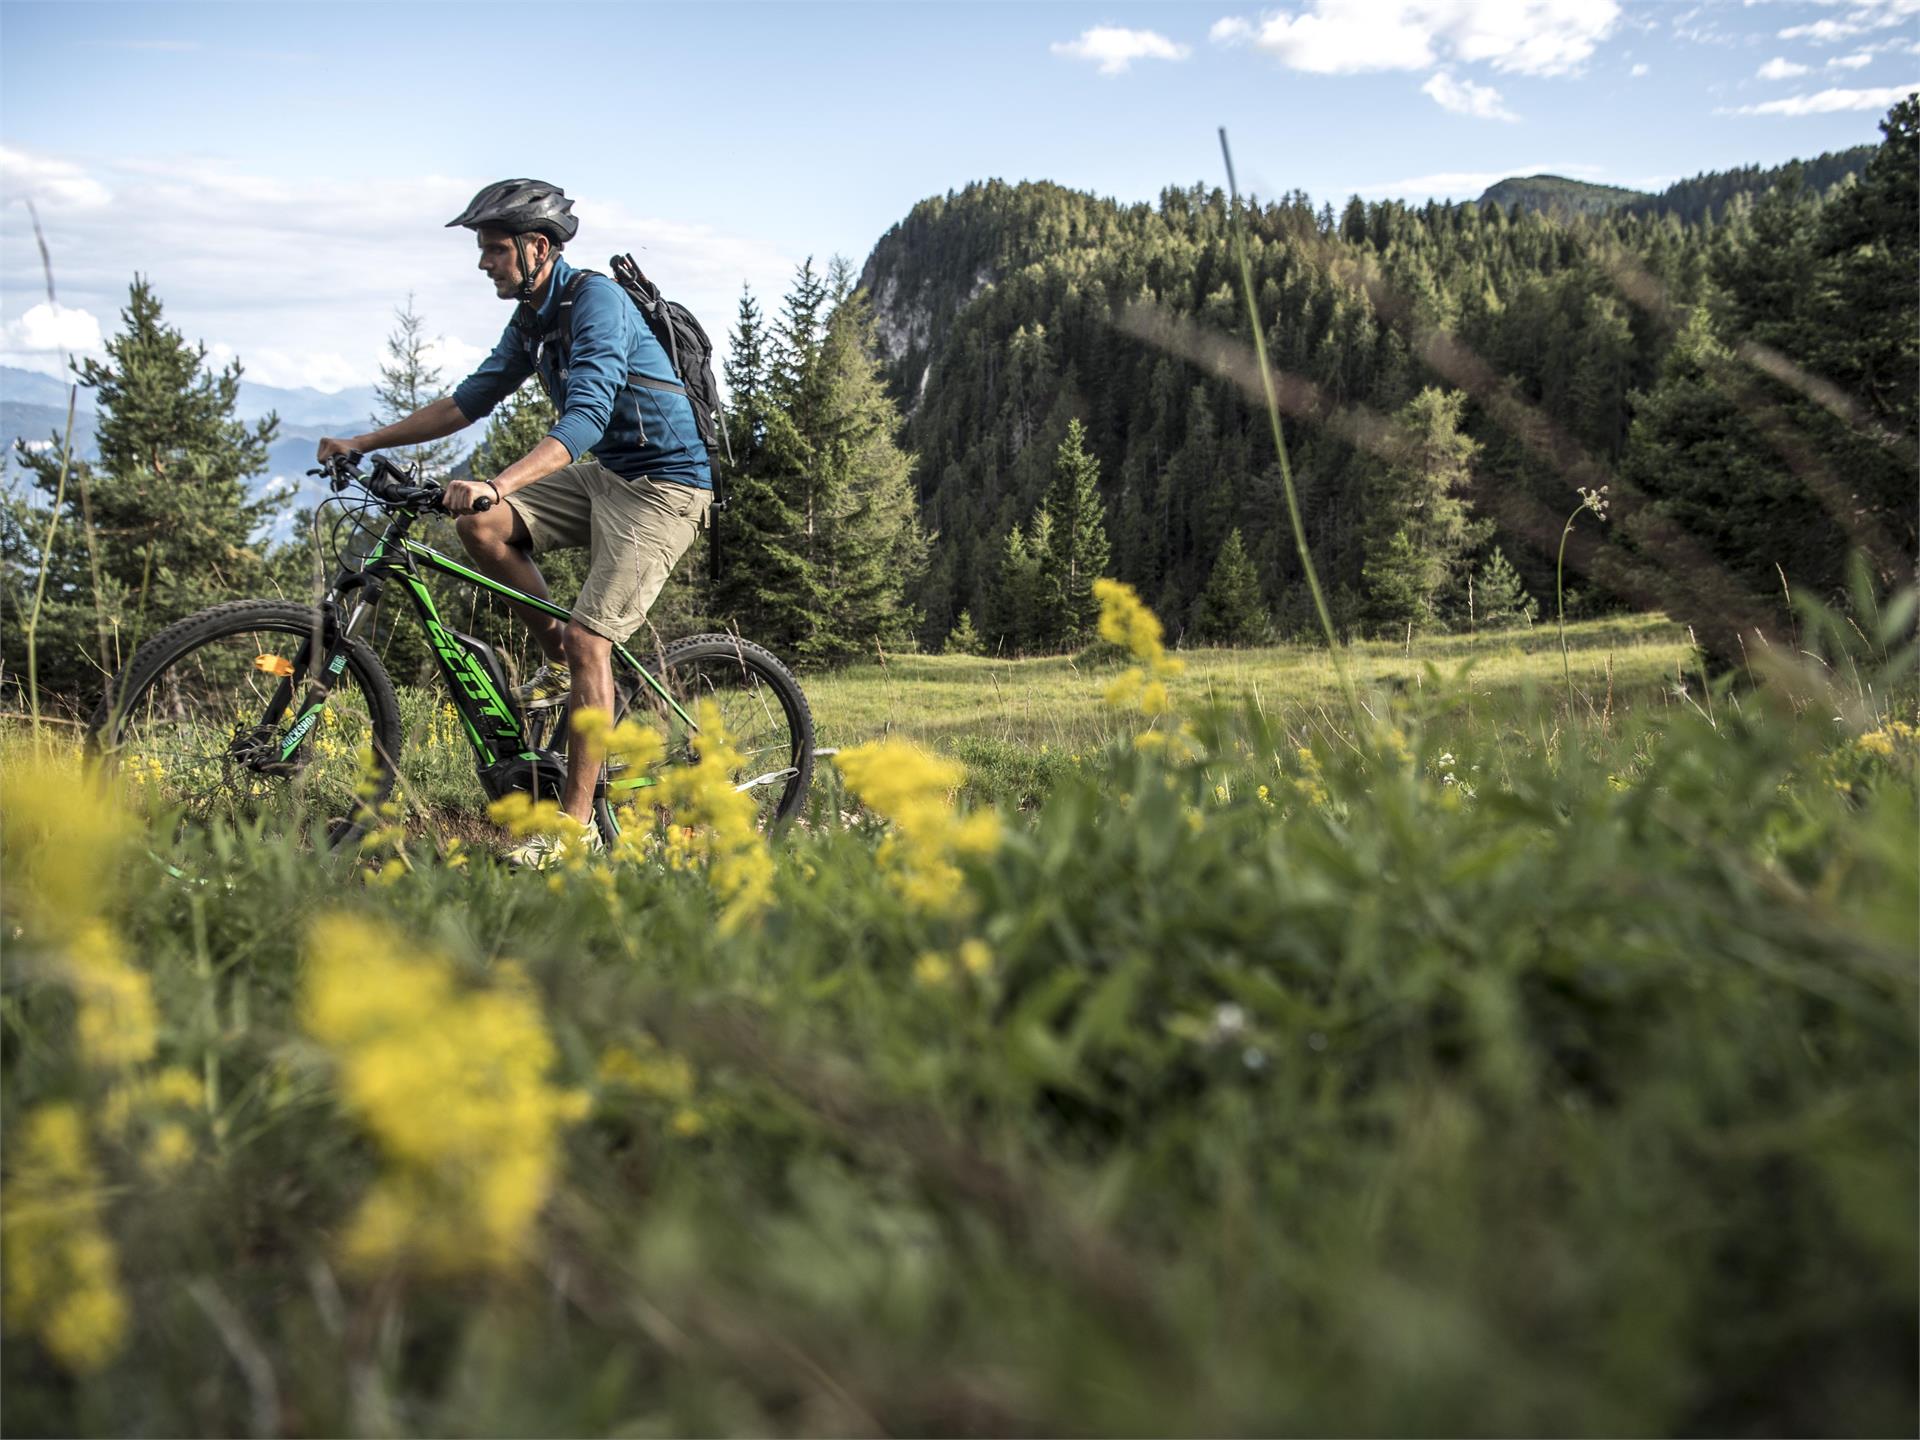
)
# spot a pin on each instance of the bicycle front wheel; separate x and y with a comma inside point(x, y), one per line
point(204, 713)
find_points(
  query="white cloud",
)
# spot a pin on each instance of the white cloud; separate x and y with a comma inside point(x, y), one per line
point(1854, 61)
point(49, 183)
point(1861, 18)
point(1780, 68)
point(1344, 37)
point(326, 370)
point(300, 281)
point(1463, 97)
point(1639, 70)
point(454, 358)
point(1468, 184)
point(1827, 102)
point(49, 329)
point(1115, 49)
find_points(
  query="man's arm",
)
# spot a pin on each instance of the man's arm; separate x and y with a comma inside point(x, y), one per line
point(538, 463)
point(429, 422)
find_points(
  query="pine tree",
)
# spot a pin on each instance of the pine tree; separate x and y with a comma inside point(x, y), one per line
point(1499, 599)
point(1076, 553)
point(407, 383)
point(1012, 584)
point(1230, 610)
point(1420, 526)
point(170, 511)
point(1028, 601)
point(963, 639)
point(873, 550)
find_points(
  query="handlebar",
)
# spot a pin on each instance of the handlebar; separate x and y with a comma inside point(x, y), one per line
point(389, 483)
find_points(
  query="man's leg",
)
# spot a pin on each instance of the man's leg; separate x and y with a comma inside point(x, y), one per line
point(590, 658)
point(500, 547)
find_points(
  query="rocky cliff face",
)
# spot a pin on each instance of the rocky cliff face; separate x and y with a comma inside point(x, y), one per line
point(949, 250)
point(911, 312)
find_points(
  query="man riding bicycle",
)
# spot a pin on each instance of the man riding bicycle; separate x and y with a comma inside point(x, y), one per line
point(636, 505)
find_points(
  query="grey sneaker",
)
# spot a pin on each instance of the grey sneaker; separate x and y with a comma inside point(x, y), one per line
point(550, 686)
point(537, 852)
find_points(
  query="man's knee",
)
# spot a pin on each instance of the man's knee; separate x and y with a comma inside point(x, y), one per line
point(491, 530)
point(583, 647)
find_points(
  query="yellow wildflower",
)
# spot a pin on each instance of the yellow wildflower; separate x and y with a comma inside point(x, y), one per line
point(975, 957)
point(522, 816)
point(688, 1122)
point(647, 1070)
point(64, 838)
point(704, 796)
point(1884, 741)
point(1124, 692)
point(116, 1023)
point(170, 1148)
point(452, 1084)
point(63, 1278)
point(914, 790)
point(1124, 620)
point(932, 969)
point(170, 1088)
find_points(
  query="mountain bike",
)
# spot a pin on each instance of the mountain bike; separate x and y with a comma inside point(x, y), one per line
point(257, 706)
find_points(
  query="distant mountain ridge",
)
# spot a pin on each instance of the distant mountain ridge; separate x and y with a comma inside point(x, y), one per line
point(1555, 194)
point(300, 405)
point(33, 408)
point(1690, 201)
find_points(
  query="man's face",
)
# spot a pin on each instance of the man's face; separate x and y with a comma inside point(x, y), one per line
point(502, 265)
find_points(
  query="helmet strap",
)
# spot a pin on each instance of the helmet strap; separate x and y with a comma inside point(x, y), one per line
point(527, 276)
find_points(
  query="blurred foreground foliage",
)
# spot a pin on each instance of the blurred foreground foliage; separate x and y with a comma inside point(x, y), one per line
point(1464, 1066)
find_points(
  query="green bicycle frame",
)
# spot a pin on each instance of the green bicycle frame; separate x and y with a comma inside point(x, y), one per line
point(472, 672)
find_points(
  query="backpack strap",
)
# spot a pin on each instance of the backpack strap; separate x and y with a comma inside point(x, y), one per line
point(562, 330)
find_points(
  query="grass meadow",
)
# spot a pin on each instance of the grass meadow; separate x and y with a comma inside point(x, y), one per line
point(1118, 1047)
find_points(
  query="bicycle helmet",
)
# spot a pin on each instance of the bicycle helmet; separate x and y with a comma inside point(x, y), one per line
point(521, 208)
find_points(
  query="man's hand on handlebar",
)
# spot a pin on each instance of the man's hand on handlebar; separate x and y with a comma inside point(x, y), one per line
point(467, 497)
point(330, 447)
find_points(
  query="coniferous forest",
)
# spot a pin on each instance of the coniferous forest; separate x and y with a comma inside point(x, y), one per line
point(1028, 387)
point(1453, 375)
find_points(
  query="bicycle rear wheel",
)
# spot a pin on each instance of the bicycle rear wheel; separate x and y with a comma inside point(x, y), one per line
point(203, 713)
point(761, 706)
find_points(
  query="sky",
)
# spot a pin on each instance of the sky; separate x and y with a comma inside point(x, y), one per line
point(282, 172)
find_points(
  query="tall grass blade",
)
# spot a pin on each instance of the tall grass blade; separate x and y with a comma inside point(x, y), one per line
point(1237, 222)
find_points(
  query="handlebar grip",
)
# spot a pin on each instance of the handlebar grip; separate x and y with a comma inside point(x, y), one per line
point(485, 502)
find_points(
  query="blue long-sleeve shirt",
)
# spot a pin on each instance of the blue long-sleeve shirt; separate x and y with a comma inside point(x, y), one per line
point(633, 430)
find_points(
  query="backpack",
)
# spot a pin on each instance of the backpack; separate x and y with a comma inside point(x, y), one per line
point(690, 353)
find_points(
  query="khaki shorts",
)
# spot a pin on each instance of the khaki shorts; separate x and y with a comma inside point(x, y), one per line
point(634, 531)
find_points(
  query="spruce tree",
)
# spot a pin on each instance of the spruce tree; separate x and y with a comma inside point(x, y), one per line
point(1499, 599)
point(872, 550)
point(1419, 518)
point(173, 521)
point(1076, 552)
point(1013, 583)
point(963, 639)
point(409, 382)
point(1230, 610)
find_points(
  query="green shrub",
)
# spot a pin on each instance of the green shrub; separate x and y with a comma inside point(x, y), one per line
point(1472, 1070)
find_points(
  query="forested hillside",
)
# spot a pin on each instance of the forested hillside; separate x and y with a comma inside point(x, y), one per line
point(1744, 388)
point(1555, 193)
point(1707, 196)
